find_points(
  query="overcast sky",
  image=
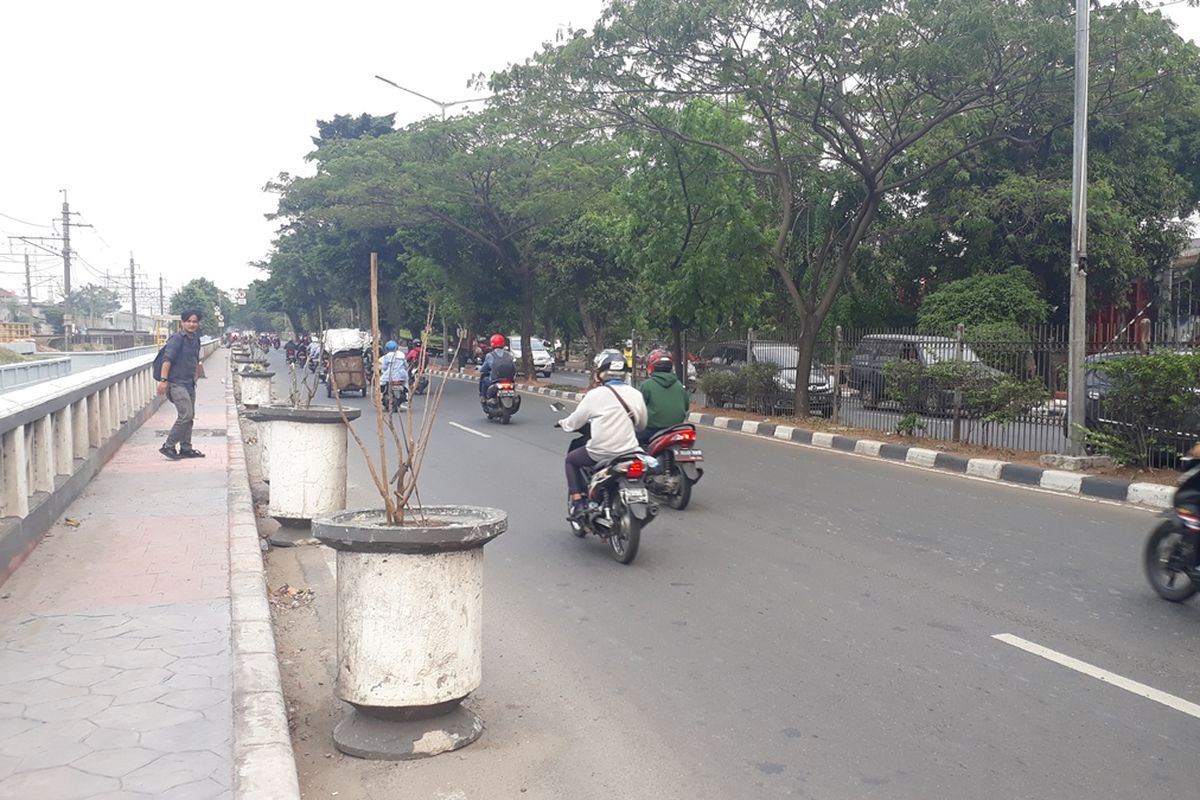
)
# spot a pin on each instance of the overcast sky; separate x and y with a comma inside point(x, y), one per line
point(164, 124)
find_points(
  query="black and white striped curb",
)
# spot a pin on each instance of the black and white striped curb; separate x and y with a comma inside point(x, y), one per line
point(1146, 495)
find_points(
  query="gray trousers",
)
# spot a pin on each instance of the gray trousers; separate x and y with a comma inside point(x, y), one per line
point(184, 398)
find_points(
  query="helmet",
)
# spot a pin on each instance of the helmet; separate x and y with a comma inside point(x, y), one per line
point(660, 361)
point(612, 364)
point(629, 342)
point(391, 346)
point(498, 340)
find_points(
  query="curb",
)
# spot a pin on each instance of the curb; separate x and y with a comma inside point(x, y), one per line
point(264, 764)
point(1143, 495)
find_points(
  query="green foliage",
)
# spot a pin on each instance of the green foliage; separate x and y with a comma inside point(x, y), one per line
point(987, 299)
point(719, 386)
point(94, 301)
point(1154, 396)
point(909, 425)
point(201, 294)
point(1002, 345)
point(757, 386)
point(904, 382)
point(991, 396)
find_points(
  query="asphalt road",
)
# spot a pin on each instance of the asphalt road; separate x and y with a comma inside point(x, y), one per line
point(815, 625)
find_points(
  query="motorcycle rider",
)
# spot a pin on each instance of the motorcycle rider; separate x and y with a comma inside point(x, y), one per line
point(289, 349)
point(393, 370)
point(497, 366)
point(615, 412)
point(666, 399)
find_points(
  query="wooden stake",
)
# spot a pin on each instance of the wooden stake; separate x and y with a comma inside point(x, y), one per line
point(389, 507)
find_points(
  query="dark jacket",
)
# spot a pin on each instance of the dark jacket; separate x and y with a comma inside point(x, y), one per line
point(666, 400)
point(183, 352)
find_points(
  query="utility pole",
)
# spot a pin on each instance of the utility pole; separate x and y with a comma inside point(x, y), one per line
point(160, 295)
point(133, 298)
point(1077, 354)
point(28, 289)
point(68, 327)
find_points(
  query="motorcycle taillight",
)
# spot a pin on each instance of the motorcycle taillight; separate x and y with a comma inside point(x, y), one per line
point(636, 468)
point(504, 385)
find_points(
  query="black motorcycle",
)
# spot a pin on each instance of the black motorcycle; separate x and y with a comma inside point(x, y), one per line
point(501, 401)
point(619, 503)
point(1172, 553)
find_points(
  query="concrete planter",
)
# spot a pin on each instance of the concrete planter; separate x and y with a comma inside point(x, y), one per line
point(256, 388)
point(410, 633)
point(308, 471)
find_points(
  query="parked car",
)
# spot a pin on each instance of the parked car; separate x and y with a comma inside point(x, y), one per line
point(868, 367)
point(783, 356)
point(543, 362)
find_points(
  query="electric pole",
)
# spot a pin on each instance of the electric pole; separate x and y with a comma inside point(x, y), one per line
point(1077, 347)
point(133, 298)
point(69, 327)
point(160, 295)
point(28, 290)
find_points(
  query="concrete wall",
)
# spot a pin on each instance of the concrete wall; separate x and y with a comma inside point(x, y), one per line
point(24, 372)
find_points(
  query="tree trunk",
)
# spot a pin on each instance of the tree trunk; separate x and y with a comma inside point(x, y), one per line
point(595, 331)
point(807, 346)
point(294, 321)
point(527, 320)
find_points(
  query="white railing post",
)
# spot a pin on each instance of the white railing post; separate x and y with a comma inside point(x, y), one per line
point(41, 457)
point(79, 418)
point(95, 402)
point(14, 496)
point(64, 449)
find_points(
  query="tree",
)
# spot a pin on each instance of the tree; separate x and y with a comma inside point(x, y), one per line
point(1008, 297)
point(346, 126)
point(202, 295)
point(851, 105)
point(93, 301)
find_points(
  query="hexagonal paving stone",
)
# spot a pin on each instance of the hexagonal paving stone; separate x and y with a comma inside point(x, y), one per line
point(116, 763)
point(146, 694)
point(144, 717)
point(200, 649)
point(52, 757)
point(139, 659)
point(81, 662)
point(203, 665)
point(131, 679)
point(73, 623)
point(47, 737)
point(16, 667)
point(15, 727)
point(103, 647)
point(86, 676)
point(59, 783)
point(194, 699)
point(8, 710)
point(174, 770)
point(188, 682)
point(38, 691)
point(8, 766)
point(111, 739)
point(69, 708)
point(208, 733)
point(206, 789)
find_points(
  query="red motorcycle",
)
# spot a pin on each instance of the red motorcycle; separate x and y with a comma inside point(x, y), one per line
point(680, 460)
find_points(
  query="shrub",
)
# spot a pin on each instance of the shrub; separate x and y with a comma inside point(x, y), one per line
point(904, 383)
point(719, 387)
point(756, 383)
point(1155, 398)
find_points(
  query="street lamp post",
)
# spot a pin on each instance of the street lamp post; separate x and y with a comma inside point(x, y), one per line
point(438, 103)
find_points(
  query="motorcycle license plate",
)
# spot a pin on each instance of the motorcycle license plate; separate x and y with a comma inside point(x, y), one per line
point(506, 393)
point(690, 454)
point(635, 496)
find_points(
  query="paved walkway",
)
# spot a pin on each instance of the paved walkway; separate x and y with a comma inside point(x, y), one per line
point(115, 664)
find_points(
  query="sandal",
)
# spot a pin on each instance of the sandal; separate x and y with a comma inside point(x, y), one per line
point(191, 453)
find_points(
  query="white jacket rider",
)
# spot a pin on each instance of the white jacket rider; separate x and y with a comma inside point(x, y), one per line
point(614, 431)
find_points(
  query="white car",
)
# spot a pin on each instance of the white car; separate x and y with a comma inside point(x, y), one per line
point(543, 361)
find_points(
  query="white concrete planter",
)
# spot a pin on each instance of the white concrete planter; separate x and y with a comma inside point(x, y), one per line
point(256, 388)
point(307, 472)
point(410, 628)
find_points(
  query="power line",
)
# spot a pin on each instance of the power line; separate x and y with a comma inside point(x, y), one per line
point(24, 222)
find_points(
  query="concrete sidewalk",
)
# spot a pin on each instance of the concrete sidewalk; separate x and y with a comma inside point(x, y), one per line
point(116, 668)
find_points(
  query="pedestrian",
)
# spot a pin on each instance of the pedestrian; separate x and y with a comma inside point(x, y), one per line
point(180, 369)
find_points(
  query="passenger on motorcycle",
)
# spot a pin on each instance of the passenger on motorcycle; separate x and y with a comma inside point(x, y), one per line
point(615, 412)
point(393, 371)
point(666, 399)
point(497, 366)
point(289, 349)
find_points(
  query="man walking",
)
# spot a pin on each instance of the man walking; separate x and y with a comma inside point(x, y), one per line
point(180, 369)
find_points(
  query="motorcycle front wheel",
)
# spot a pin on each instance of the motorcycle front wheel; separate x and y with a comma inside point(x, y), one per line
point(1163, 560)
point(625, 536)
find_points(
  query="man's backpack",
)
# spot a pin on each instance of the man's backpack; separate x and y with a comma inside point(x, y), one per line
point(503, 366)
point(156, 370)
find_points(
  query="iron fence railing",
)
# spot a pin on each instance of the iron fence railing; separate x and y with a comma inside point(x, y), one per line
point(997, 386)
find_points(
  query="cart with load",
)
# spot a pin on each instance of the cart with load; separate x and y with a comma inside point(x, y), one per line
point(344, 362)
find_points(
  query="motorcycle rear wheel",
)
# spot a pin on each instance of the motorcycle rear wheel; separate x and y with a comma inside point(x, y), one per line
point(625, 536)
point(679, 500)
point(1169, 582)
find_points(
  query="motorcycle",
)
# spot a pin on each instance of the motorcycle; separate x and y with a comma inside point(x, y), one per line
point(501, 401)
point(676, 450)
point(395, 395)
point(619, 503)
point(1172, 553)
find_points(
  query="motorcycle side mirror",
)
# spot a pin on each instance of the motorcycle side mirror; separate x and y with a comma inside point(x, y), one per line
point(556, 406)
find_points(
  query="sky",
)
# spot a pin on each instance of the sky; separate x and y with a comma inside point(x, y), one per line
point(163, 121)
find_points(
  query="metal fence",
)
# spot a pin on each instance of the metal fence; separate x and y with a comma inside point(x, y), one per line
point(994, 386)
